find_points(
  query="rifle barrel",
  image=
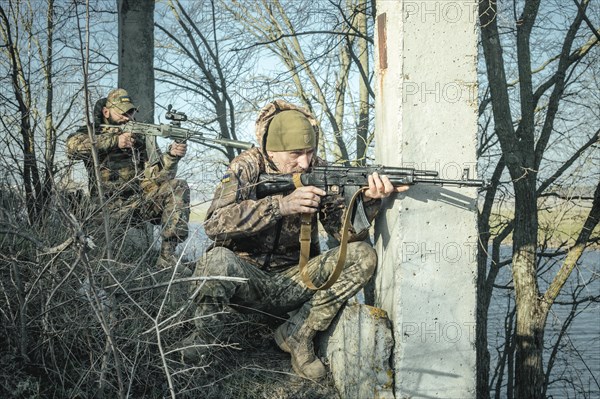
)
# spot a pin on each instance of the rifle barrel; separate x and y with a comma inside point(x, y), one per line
point(243, 145)
point(451, 182)
point(382, 170)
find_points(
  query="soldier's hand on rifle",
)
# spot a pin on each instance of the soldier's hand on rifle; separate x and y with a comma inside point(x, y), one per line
point(126, 140)
point(381, 187)
point(178, 149)
point(302, 200)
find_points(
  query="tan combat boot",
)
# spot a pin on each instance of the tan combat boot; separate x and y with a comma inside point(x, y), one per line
point(296, 338)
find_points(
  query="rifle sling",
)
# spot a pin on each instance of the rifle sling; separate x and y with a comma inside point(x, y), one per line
point(152, 150)
point(305, 233)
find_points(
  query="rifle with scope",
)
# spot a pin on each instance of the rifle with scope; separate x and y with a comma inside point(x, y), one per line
point(174, 131)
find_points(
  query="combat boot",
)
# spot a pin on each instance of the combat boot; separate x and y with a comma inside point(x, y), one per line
point(193, 348)
point(296, 338)
point(167, 259)
point(209, 320)
point(165, 262)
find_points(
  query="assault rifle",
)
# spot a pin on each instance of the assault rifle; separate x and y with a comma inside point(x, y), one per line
point(335, 179)
point(175, 132)
point(346, 181)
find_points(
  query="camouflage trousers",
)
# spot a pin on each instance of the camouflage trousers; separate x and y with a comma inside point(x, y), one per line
point(277, 293)
point(166, 204)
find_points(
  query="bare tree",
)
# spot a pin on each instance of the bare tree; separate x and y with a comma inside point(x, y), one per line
point(321, 47)
point(20, 80)
point(538, 99)
point(194, 59)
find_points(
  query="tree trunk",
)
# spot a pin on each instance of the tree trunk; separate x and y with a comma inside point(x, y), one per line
point(518, 150)
point(485, 285)
point(531, 317)
point(20, 85)
point(50, 149)
point(136, 54)
point(221, 108)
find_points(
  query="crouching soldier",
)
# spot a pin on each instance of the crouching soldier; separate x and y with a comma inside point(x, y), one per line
point(258, 239)
point(134, 175)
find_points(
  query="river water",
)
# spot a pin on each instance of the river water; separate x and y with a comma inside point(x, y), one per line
point(578, 361)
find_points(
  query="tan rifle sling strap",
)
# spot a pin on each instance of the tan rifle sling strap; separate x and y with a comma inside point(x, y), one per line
point(305, 239)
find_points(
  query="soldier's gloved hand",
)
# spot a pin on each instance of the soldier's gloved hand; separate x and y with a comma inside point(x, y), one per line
point(302, 200)
point(381, 187)
point(178, 149)
point(126, 140)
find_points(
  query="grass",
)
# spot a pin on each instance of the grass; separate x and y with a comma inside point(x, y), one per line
point(559, 223)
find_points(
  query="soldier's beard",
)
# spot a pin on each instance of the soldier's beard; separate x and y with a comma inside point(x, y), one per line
point(114, 122)
point(111, 121)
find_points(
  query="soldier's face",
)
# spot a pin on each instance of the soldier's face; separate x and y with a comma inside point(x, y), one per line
point(115, 117)
point(292, 161)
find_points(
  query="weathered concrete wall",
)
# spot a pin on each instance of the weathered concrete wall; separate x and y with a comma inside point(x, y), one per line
point(426, 117)
point(358, 346)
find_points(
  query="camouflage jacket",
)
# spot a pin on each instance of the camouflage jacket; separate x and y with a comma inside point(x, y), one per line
point(254, 228)
point(123, 171)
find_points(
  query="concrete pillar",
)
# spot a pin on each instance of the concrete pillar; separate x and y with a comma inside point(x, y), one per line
point(426, 117)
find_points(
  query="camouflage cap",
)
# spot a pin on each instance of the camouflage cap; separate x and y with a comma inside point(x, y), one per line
point(120, 100)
